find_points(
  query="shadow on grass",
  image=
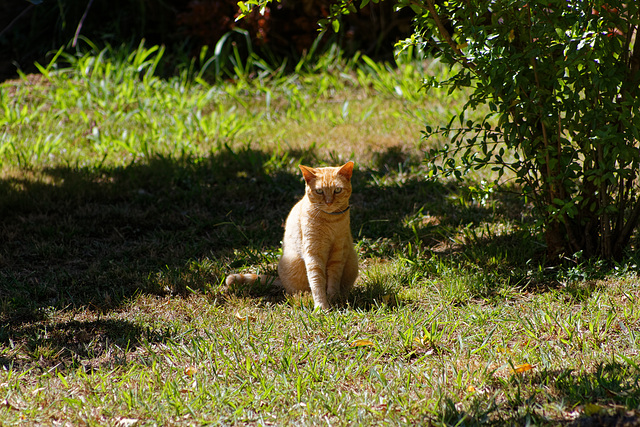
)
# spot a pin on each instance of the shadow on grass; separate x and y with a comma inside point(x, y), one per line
point(607, 396)
point(94, 237)
point(90, 344)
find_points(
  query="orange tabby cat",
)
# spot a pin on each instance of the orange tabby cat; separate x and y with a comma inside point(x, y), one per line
point(317, 253)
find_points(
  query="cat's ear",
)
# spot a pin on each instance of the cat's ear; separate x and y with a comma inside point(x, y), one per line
point(308, 173)
point(346, 170)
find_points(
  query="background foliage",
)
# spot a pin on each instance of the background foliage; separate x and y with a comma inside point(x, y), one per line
point(29, 30)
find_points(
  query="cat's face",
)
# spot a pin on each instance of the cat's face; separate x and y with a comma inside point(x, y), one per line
point(329, 189)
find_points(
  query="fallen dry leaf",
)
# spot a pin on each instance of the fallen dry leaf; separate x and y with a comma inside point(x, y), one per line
point(242, 318)
point(361, 343)
point(127, 422)
point(591, 409)
point(522, 368)
point(504, 350)
point(190, 370)
point(425, 341)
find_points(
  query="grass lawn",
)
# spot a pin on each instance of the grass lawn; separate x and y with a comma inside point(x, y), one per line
point(125, 199)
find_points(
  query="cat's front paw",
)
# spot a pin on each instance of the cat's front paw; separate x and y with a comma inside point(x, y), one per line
point(321, 305)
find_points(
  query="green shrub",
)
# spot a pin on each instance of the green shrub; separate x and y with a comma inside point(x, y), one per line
point(561, 81)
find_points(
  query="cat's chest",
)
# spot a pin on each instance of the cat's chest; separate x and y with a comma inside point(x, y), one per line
point(324, 230)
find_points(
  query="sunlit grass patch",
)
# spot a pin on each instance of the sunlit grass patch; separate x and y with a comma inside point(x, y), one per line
point(111, 108)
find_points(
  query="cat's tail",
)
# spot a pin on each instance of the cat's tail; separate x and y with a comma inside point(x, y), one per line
point(250, 278)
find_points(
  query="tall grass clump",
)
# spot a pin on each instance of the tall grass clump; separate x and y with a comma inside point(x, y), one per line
point(115, 108)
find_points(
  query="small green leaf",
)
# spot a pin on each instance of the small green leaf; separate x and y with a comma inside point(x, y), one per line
point(336, 25)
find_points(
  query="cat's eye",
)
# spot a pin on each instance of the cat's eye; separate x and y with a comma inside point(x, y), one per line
point(337, 190)
point(319, 190)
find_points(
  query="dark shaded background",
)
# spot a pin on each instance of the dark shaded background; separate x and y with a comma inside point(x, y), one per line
point(28, 31)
